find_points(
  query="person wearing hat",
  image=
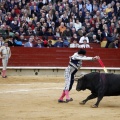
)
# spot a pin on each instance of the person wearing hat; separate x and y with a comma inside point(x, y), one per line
point(5, 54)
point(74, 64)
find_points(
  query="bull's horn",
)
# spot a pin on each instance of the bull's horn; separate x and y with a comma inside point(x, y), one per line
point(77, 77)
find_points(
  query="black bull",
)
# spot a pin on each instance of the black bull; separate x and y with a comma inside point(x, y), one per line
point(100, 85)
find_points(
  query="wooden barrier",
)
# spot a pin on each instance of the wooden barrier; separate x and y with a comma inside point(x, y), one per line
point(59, 57)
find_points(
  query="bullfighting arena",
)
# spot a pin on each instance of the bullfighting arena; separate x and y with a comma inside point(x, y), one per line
point(35, 98)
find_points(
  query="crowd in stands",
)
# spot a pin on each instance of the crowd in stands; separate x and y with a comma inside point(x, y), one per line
point(60, 23)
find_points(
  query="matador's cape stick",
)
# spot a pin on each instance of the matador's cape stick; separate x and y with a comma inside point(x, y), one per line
point(102, 65)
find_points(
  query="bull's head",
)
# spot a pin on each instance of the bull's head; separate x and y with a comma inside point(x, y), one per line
point(81, 84)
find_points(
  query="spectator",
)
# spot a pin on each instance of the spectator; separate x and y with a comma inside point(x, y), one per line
point(62, 28)
point(1, 41)
point(10, 42)
point(39, 44)
point(75, 37)
point(74, 44)
point(114, 44)
point(84, 37)
point(50, 44)
point(29, 43)
point(59, 43)
point(95, 40)
point(77, 25)
point(99, 36)
point(84, 44)
point(19, 16)
point(67, 34)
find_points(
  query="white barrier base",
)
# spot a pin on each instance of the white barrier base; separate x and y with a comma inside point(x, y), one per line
point(53, 71)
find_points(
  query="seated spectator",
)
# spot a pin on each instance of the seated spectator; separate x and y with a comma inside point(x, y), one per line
point(75, 37)
point(14, 26)
point(39, 44)
point(84, 37)
point(114, 44)
point(57, 34)
point(99, 35)
point(59, 43)
point(23, 39)
point(53, 27)
point(1, 41)
point(90, 34)
point(43, 32)
point(73, 30)
point(50, 33)
point(84, 44)
point(77, 25)
point(11, 42)
point(29, 32)
point(67, 34)
point(29, 43)
point(65, 42)
point(62, 27)
point(95, 40)
point(3, 31)
point(74, 44)
point(21, 31)
point(50, 44)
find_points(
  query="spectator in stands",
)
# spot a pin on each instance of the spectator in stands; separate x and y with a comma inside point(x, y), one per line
point(29, 43)
point(74, 44)
point(114, 44)
point(77, 24)
point(23, 39)
point(39, 44)
point(62, 27)
point(74, 37)
point(1, 41)
point(99, 35)
point(43, 32)
point(84, 44)
point(90, 34)
point(50, 44)
point(57, 33)
point(67, 34)
point(95, 40)
point(11, 42)
point(84, 37)
point(49, 33)
point(29, 32)
point(74, 64)
point(19, 16)
point(59, 43)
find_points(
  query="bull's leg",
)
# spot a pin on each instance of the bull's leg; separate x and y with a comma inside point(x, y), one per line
point(100, 96)
point(92, 96)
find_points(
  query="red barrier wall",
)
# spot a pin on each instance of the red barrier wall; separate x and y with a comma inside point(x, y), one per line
point(59, 57)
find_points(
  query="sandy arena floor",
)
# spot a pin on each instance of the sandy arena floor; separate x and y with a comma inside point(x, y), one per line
point(35, 98)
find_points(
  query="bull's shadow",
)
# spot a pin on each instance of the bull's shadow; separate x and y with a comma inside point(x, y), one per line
point(100, 85)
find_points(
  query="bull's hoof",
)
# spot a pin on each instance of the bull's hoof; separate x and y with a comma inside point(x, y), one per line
point(94, 106)
point(82, 103)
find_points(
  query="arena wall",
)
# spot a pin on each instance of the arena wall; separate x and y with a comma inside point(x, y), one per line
point(53, 61)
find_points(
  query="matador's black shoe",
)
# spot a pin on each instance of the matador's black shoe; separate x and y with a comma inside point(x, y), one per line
point(69, 100)
point(61, 101)
point(4, 76)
